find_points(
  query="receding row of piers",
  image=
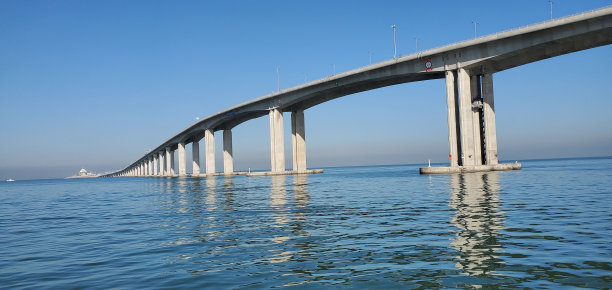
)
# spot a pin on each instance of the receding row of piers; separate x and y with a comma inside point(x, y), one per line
point(162, 163)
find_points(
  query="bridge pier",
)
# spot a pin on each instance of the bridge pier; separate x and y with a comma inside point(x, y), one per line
point(277, 143)
point(228, 155)
point(452, 114)
point(471, 124)
point(466, 136)
point(195, 153)
point(182, 170)
point(209, 143)
point(155, 162)
point(172, 164)
point(298, 138)
point(489, 120)
point(167, 160)
point(476, 118)
point(161, 163)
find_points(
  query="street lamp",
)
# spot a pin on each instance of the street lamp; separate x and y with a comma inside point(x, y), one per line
point(550, 1)
point(474, 28)
point(394, 43)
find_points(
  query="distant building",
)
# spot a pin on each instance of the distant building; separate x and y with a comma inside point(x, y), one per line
point(83, 174)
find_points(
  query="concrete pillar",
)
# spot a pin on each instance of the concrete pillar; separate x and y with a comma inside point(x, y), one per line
point(489, 120)
point(151, 166)
point(167, 172)
point(298, 140)
point(195, 152)
point(172, 163)
point(465, 116)
point(228, 155)
point(209, 143)
point(161, 164)
point(451, 110)
point(182, 170)
point(277, 144)
point(476, 124)
point(146, 167)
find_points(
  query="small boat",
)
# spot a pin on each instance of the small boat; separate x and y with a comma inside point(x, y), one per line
point(10, 180)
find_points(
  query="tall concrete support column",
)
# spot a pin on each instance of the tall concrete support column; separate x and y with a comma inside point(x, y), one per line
point(466, 118)
point(451, 110)
point(489, 120)
point(168, 166)
point(195, 156)
point(228, 155)
point(162, 170)
point(154, 173)
point(476, 123)
point(150, 166)
point(182, 169)
point(298, 140)
point(146, 168)
point(172, 163)
point(209, 143)
point(277, 143)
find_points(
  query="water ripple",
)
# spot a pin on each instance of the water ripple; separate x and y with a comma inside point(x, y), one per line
point(360, 227)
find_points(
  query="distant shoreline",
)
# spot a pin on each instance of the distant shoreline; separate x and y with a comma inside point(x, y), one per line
point(323, 167)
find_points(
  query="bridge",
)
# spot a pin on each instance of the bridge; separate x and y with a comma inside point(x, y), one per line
point(467, 66)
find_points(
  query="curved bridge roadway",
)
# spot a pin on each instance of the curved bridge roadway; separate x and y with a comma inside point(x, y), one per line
point(467, 66)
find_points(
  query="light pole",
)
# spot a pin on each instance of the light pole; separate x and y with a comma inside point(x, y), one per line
point(394, 43)
point(416, 44)
point(474, 28)
point(550, 1)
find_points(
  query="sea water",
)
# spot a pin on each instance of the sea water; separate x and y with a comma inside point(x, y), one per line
point(548, 225)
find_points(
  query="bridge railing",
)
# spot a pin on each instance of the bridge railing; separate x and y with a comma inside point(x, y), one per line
point(425, 52)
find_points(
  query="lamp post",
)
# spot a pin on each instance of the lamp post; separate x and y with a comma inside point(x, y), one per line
point(550, 1)
point(474, 22)
point(394, 43)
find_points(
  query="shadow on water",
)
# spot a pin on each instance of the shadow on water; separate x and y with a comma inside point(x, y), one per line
point(475, 198)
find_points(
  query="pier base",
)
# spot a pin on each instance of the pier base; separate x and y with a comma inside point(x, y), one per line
point(472, 168)
point(288, 172)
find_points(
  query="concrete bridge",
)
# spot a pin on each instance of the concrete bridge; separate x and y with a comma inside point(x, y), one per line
point(467, 66)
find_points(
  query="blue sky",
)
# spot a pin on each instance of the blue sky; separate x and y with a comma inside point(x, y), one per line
point(95, 84)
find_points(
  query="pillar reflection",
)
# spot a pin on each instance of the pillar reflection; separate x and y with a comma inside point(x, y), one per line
point(182, 184)
point(278, 203)
point(475, 197)
point(301, 196)
point(211, 194)
point(228, 191)
point(278, 199)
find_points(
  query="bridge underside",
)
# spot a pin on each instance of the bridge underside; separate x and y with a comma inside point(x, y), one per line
point(467, 67)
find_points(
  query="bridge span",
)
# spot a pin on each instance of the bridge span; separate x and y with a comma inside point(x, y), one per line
point(467, 66)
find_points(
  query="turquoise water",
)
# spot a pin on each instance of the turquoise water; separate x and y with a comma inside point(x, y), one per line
point(548, 225)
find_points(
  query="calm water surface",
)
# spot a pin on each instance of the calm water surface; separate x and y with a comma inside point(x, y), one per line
point(547, 226)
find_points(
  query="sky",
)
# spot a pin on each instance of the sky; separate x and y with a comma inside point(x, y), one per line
point(95, 84)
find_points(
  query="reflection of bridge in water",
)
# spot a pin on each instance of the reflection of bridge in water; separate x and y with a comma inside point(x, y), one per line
point(475, 196)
